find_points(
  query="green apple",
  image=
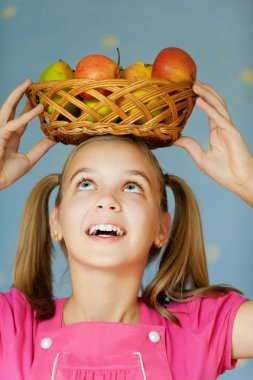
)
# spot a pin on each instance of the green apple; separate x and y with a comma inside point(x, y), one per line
point(59, 70)
point(103, 111)
point(71, 108)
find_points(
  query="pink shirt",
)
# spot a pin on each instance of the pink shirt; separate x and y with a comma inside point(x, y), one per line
point(154, 349)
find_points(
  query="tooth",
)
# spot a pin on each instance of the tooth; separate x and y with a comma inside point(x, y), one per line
point(92, 230)
point(105, 227)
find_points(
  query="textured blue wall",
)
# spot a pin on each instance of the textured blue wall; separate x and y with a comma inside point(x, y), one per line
point(218, 34)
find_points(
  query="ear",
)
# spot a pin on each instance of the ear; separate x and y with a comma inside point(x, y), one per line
point(55, 228)
point(164, 230)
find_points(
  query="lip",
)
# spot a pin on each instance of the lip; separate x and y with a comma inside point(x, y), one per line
point(116, 224)
point(105, 240)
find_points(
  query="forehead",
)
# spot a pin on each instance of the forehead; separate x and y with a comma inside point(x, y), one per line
point(115, 155)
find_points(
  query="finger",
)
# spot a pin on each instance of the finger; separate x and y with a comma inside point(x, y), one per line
point(213, 98)
point(192, 147)
point(8, 108)
point(20, 123)
point(27, 107)
point(211, 90)
point(39, 150)
point(218, 119)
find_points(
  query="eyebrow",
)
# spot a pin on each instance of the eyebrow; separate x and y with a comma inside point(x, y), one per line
point(81, 170)
point(133, 172)
point(141, 174)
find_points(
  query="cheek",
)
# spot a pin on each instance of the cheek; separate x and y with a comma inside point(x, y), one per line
point(71, 217)
point(148, 217)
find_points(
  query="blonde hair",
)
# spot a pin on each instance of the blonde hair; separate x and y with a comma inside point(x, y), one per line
point(182, 272)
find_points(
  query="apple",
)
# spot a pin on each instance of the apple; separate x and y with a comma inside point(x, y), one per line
point(59, 70)
point(174, 64)
point(137, 71)
point(103, 111)
point(96, 67)
point(139, 94)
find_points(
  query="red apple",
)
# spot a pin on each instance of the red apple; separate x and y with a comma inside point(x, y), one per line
point(174, 64)
point(96, 67)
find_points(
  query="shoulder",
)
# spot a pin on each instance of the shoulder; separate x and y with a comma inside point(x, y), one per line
point(17, 330)
point(14, 301)
point(197, 311)
point(202, 311)
point(14, 308)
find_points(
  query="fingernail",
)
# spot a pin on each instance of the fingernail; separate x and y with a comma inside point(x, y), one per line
point(40, 107)
point(28, 81)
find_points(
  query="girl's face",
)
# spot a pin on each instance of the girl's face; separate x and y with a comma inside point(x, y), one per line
point(110, 184)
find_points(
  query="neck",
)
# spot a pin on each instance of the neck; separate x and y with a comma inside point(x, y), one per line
point(103, 296)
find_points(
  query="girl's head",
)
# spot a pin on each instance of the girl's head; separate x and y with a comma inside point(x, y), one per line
point(116, 181)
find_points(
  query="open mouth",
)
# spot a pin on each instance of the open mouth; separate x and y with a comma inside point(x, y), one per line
point(105, 231)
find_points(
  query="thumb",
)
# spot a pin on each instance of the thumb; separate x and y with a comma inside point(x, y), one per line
point(192, 147)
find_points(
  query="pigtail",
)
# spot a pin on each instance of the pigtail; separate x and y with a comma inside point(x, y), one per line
point(186, 246)
point(32, 267)
point(183, 270)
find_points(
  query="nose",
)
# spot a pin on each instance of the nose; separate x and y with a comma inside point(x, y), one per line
point(108, 202)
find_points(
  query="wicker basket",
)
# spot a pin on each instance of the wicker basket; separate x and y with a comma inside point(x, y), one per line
point(154, 110)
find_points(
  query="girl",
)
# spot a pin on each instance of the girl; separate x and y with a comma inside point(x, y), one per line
point(111, 219)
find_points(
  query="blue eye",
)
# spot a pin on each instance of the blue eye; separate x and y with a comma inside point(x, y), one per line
point(134, 187)
point(85, 183)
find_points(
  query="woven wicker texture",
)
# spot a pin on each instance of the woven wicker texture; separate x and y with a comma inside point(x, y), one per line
point(154, 110)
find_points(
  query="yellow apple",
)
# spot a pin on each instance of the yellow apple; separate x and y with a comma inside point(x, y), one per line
point(137, 71)
point(139, 94)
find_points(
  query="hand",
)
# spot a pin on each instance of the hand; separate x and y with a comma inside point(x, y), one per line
point(14, 164)
point(228, 160)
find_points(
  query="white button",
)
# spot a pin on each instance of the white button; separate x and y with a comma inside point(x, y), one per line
point(154, 336)
point(46, 343)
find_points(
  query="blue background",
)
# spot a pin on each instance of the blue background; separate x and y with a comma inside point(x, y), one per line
point(218, 35)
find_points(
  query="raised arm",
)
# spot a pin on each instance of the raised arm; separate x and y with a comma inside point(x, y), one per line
point(14, 164)
point(229, 160)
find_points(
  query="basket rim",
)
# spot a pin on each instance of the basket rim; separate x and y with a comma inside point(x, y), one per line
point(114, 80)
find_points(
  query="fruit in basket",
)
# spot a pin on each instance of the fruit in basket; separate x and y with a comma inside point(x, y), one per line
point(96, 67)
point(59, 70)
point(174, 64)
point(139, 94)
point(137, 71)
point(102, 111)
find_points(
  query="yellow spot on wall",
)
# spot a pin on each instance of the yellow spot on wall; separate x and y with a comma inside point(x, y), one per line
point(9, 12)
point(110, 41)
point(213, 252)
point(247, 76)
